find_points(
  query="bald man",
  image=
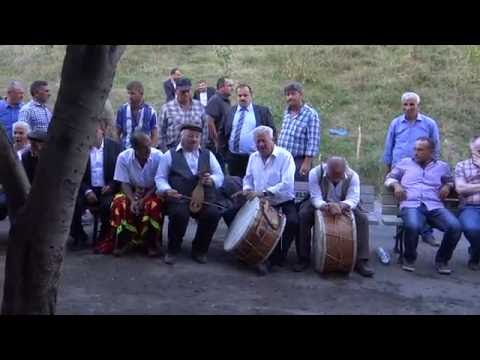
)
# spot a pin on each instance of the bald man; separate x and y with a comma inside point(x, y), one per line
point(334, 189)
point(402, 134)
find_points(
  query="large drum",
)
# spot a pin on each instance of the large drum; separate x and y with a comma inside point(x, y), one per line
point(334, 243)
point(255, 231)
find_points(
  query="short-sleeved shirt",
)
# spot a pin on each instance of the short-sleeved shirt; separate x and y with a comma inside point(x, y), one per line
point(37, 115)
point(8, 116)
point(128, 121)
point(128, 169)
point(300, 134)
point(218, 107)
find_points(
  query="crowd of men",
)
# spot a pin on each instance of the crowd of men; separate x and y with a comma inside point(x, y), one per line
point(235, 151)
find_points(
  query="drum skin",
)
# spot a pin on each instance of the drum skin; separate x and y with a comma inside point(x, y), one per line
point(261, 236)
point(334, 243)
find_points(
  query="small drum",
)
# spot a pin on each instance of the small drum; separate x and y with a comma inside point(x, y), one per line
point(255, 231)
point(334, 243)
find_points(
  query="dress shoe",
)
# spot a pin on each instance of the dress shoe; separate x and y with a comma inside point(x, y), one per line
point(201, 259)
point(443, 268)
point(364, 269)
point(408, 265)
point(169, 259)
point(300, 266)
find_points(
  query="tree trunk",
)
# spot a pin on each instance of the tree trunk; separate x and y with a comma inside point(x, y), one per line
point(39, 234)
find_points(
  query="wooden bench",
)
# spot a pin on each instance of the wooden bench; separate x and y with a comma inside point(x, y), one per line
point(367, 197)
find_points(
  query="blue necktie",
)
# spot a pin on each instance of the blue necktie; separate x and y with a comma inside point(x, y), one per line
point(238, 130)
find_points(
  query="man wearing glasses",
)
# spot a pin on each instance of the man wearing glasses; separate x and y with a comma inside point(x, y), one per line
point(402, 134)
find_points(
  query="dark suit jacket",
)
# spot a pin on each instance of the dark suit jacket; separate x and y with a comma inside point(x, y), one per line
point(111, 149)
point(169, 90)
point(29, 164)
point(263, 116)
point(210, 92)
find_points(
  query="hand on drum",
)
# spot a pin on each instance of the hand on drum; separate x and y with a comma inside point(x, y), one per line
point(345, 208)
point(333, 209)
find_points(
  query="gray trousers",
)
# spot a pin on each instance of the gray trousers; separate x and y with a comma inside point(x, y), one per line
point(307, 220)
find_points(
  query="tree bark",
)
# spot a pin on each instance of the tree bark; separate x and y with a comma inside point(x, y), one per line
point(39, 234)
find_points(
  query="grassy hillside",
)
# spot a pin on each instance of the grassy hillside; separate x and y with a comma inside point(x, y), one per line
point(350, 86)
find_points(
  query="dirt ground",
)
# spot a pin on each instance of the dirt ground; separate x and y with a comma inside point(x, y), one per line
point(135, 284)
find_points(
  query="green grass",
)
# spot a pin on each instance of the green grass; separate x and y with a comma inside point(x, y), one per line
point(350, 86)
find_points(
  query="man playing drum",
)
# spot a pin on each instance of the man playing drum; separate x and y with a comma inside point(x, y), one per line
point(334, 189)
point(270, 174)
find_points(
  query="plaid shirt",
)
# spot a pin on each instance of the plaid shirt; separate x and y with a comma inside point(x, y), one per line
point(468, 173)
point(300, 134)
point(36, 115)
point(173, 117)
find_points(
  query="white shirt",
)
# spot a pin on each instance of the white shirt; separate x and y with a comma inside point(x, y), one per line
point(96, 166)
point(203, 98)
point(276, 175)
point(161, 178)
point(247, 142)
point(128, 169)
point(353, 193)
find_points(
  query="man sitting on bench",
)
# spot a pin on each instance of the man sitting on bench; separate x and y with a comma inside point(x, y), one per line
point(420, 184)
point(467, 184)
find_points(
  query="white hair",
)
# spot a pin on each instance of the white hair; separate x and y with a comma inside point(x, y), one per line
point(262, 129)
point(410, 95)
point(23, 124)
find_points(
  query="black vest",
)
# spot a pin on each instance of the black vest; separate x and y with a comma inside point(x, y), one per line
point(181, 178)
point(325, 183)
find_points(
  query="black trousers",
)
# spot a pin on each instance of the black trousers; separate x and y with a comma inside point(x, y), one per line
point(306, 221)
point(104, 203)
point(218, 155)
point(237, 164)
point(178, 215)
point(298, 165)
point(280, 252)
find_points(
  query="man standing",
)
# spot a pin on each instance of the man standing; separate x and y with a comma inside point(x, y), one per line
point(169, 86)
point(300, 132)
point(97, 187)
point(178, 112)
point(270, 174)
point(236, 134)
point(136, 114)
point(180, 170)
point(10, 107)
point(203, 93)
point(37, 138)
point(467, 184)
point(334, 189)
point(420, 184)
point(402, 134)
point(136, 212)
point(35, 113)
point(217, 109)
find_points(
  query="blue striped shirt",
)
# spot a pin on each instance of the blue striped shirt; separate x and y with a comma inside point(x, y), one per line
point(300, 134)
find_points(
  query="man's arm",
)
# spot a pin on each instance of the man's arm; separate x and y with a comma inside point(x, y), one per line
point(461, 185)
point(248, 183)
point(268, 121)
point(353, 193)
point(316, 196)
point(287, 177)
point(388, 147)
point(161, 177)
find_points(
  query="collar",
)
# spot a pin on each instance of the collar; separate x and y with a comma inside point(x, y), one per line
point(142, 104)
point(101, 146)
point(299, 111)
point(325, 168)
point(8, 105)
point(433, 162)
point(249, 108)
point(419, 118)
point(179, 147)
point(36, 103)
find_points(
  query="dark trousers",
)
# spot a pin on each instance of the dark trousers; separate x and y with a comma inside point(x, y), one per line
point(470, 219)
point(237, 164)
point(104, 203)
point(306, 217)
point(178, 216)
point(298, 165)
point(280, 252)
point(414, 220)
point(218, 155)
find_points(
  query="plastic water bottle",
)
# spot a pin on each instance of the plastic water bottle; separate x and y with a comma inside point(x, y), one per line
point(383, 256)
